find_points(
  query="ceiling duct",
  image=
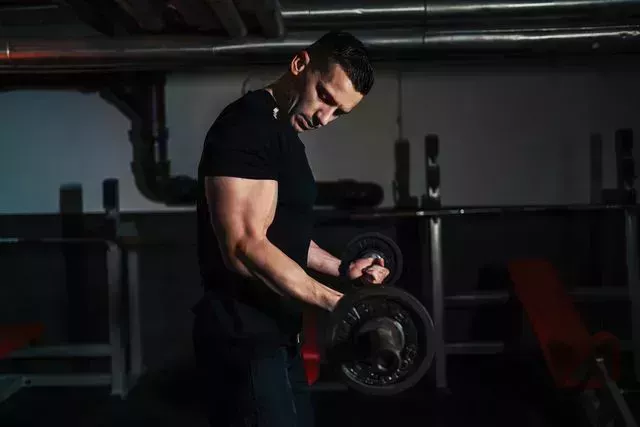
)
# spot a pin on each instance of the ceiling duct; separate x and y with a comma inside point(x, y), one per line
point(104, 54)
point(368, 13)
point(415, 29)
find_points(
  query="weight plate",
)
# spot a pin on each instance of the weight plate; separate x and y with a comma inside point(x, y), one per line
point(360, 306)
point(367, 243)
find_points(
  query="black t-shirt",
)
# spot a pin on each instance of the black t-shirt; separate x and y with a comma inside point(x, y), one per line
point(248, 141)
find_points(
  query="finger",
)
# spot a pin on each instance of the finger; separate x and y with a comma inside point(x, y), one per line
point(381, 271)
point(373, 276)
point(368, 278)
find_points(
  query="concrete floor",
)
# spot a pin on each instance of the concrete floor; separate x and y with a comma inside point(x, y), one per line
point(483, 392)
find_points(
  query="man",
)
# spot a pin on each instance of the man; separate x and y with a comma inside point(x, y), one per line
point(255, 222)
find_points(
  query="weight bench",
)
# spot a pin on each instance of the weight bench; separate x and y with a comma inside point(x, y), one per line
point(14, 337)
point(577, 361)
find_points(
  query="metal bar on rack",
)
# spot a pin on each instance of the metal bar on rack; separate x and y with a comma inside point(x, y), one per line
point(328, 386)
point(487, 210)
point(497, 347)
point(44, 241)
point(602, 294)
point(478, 298)
point(435, 229)
point(128, 230)
point(614, 398)
point(62, 351)
point(128, 242)
point(433, 200)
point(114, 281)
point(65, 380)
point(9, 385)
point(633, 282)
point(470, 348)
point(117, 280)
point(135, 337)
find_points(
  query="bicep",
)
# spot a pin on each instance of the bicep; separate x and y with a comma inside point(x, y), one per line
point(241, 209)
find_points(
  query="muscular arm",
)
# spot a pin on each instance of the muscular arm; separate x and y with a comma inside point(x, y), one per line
point(322, 261)
point(241, 212)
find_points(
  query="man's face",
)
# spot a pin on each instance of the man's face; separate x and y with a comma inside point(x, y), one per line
point(322, 96)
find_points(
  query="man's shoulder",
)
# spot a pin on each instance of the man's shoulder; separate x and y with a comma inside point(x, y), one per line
point(250, 113)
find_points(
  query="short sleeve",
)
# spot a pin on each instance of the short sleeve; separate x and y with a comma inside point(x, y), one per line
point(243, 151)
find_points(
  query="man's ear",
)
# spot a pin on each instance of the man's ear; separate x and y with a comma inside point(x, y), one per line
point(299, 63)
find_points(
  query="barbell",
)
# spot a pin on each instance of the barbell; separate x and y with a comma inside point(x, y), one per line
point(381, 337)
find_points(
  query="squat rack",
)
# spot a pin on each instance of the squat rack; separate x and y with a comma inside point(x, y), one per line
point(430, 240)
point(124, 345)
point(431, 249)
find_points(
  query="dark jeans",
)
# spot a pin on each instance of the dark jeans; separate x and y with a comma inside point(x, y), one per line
point(265, 389)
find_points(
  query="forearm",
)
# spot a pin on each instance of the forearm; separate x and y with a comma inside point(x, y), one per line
point(265, 261)
point(322, 261)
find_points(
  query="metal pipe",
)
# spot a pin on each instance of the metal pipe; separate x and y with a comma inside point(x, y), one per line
point(152, 53)
point(419, 12)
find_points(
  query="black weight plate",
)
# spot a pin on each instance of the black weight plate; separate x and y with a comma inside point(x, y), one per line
point(353, 310)
point(359, 246)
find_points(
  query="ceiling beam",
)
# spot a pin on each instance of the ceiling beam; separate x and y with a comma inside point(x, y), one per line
point(94, 14)
point(147, 13)
point(197, 14)
point(229, 17)
point(269, 14)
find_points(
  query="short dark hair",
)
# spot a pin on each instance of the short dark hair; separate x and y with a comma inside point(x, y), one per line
point(346, 50)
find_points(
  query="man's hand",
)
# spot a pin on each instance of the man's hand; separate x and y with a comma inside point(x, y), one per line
point(369, 270)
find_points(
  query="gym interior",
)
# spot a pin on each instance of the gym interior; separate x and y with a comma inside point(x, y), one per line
point(492, 165)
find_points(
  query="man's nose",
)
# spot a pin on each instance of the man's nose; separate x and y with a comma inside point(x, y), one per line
point(325, 116)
